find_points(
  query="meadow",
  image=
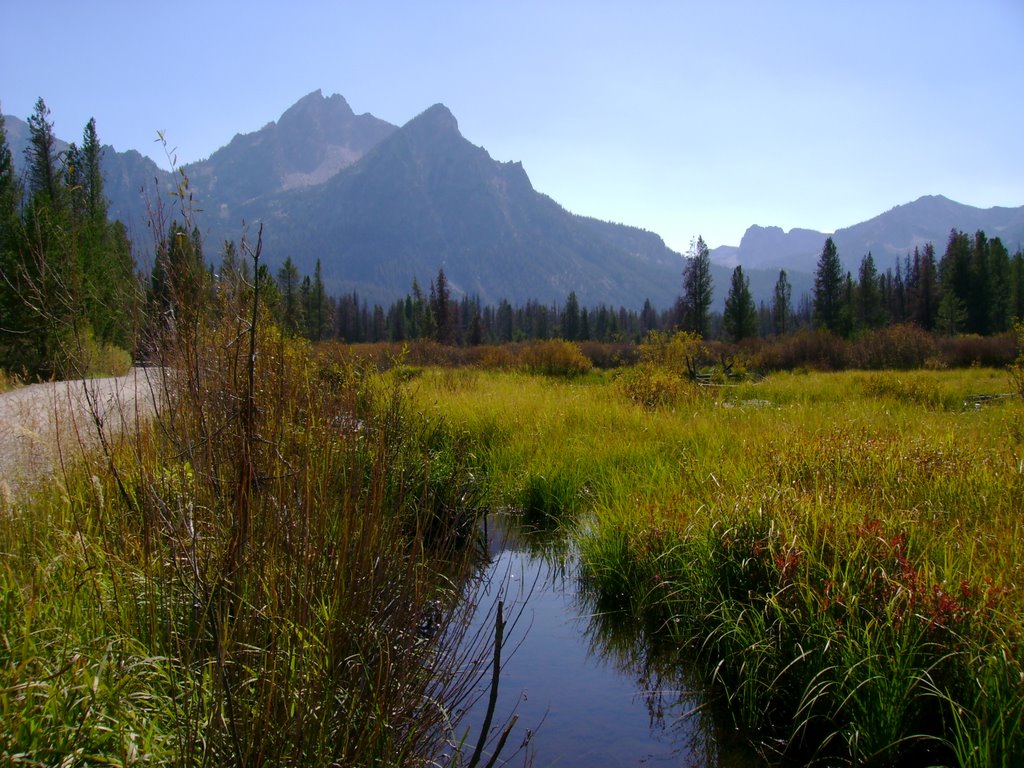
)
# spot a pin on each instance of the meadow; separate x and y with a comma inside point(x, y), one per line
point(286, 543)
point(840, 551)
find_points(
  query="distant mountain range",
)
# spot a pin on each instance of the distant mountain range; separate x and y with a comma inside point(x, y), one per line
point(888, 236)
point(380, 205)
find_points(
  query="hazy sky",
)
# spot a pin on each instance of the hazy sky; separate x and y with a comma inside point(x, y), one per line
point(684, 118)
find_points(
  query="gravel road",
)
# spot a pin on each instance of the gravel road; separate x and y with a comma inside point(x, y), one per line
point(43, 424)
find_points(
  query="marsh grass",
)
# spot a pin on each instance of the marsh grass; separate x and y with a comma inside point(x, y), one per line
point(268, 572)
point(842, 552)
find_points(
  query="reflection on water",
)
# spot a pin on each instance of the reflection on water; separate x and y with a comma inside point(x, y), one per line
point(588, 688)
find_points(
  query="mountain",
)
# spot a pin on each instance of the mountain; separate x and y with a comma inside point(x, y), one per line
point(380, 205)
point(314, 139)
point(888, 236)
point(426, 198)
point(896, 232)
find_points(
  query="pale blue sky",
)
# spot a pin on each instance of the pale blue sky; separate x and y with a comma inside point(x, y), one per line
point(683, 118)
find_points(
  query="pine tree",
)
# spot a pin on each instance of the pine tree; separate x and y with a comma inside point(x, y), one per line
point(979, 287)
point(868, 295)
point(41, 155)
point(90, 157)
point(440, 304)
point(999, 286)
point(318, 312)
point(571, 318)
point(782, 305)
point(740, 318)
point(925, 296)
point(289, 284)
point(955, 281)
point(697, 289)
point(828, 289)
point(1017, 287)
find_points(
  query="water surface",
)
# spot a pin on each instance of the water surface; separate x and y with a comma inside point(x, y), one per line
point(588, 688)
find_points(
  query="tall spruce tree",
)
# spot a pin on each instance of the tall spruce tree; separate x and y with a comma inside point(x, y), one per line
point(999, 286)
point(697, 289)
point(571, 318)
point(289, 283)
point(828, 289)
point(955, 281)
point(41, 156)
point(740, 318)
point(782, 305)
point(923, 288)
point(441, 307)
point(979, 287)
point(1017, 287)
point(869, 312)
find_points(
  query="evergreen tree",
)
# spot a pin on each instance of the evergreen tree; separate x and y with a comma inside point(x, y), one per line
point(648, 318)
point(955, 281)
point(979, 287)
point(782, 305)
point(92, 177)
point(828, 289)
point(923, 288)
point(868, 295)
point(571, 318)
point(740, 318)
point(697, 289)
point(999, 286)
point(289, 284)
point(41, 156)
point(440, 305)
point(1016, 311)
point(318, 312)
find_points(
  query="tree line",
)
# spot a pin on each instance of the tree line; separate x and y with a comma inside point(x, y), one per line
point(976, 287)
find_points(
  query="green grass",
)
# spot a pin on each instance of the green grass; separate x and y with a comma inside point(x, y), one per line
point(842, 550)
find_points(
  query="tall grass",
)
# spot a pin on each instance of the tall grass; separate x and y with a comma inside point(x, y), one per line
point(267, 573)
point(842, 551)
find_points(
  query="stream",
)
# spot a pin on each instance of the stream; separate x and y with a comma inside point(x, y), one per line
point(587, 688)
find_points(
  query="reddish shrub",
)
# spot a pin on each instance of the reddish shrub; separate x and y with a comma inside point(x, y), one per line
point(816, 349)
point(987, 351)
point(895, 347)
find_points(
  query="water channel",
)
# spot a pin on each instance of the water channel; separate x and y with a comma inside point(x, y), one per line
point(587, 687)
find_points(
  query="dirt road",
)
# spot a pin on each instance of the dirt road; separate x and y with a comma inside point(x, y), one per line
point(42, 425)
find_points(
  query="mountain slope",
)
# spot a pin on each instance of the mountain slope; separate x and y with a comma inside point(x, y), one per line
point(426, 198)
point(312, 141)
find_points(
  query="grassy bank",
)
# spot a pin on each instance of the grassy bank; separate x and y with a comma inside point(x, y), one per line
point(267, 573)
point(842, 550)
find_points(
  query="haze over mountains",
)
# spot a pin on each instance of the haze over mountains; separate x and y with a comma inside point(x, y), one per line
point(380, 205)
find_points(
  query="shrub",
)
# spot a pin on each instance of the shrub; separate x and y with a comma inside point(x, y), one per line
point(651, 386)
point(605, 354)
point(814, 349)
point(554, 358)
point(681, 352)
point(894, 347)
point(985, 351)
